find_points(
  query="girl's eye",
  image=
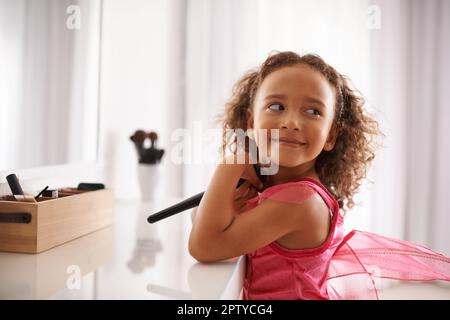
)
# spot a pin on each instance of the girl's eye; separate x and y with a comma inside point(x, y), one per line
point(275, 104)
point(314, 112)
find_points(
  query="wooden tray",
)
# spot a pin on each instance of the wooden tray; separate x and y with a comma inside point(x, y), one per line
point(35, 227)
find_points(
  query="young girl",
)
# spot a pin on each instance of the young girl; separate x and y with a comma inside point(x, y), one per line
point(290, 228)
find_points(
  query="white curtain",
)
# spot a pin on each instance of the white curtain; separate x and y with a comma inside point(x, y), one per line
point(48, 83)
point(428, 129)
point(411, 75)
point(139, 89)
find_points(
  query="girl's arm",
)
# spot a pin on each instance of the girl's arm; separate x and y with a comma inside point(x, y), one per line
point(243, 193)
point(215, 211)
point(219, 233)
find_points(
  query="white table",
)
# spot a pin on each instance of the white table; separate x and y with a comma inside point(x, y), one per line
point(130, 260)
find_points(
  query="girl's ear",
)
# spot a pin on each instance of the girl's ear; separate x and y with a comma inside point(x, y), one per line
point(328, 146)
point(331, 140)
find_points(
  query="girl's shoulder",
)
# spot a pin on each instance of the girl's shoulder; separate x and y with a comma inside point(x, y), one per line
point(301, 191)
point(291, 192)
point(296, 191)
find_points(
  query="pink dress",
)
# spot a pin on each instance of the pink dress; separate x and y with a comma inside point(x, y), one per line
point(345, 266)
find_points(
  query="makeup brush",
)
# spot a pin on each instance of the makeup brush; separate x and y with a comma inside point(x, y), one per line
point(192, 202)
point(151, 155)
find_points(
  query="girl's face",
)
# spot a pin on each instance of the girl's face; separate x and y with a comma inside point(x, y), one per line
point(298, 101)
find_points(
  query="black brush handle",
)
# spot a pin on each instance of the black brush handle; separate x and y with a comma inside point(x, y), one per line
point(184, 205)
point(190, 203)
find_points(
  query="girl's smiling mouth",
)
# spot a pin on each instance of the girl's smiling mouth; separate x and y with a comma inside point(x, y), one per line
point(293, 143)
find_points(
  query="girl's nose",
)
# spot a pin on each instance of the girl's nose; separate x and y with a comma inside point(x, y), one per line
point(291, 122)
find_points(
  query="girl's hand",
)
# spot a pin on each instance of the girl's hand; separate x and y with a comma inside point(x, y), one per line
point(247, 169)
point(249, 174)
point(249, 189)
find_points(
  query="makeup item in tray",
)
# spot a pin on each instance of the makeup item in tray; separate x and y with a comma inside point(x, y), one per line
point(50, 193)
point(90, 186)
point(14, 184)
point(40, 193)
point(17, 190)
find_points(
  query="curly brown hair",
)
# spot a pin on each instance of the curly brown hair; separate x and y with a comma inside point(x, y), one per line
point(340, 170)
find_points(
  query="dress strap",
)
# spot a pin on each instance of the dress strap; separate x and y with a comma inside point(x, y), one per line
point(301, 188)
point(329, 199)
